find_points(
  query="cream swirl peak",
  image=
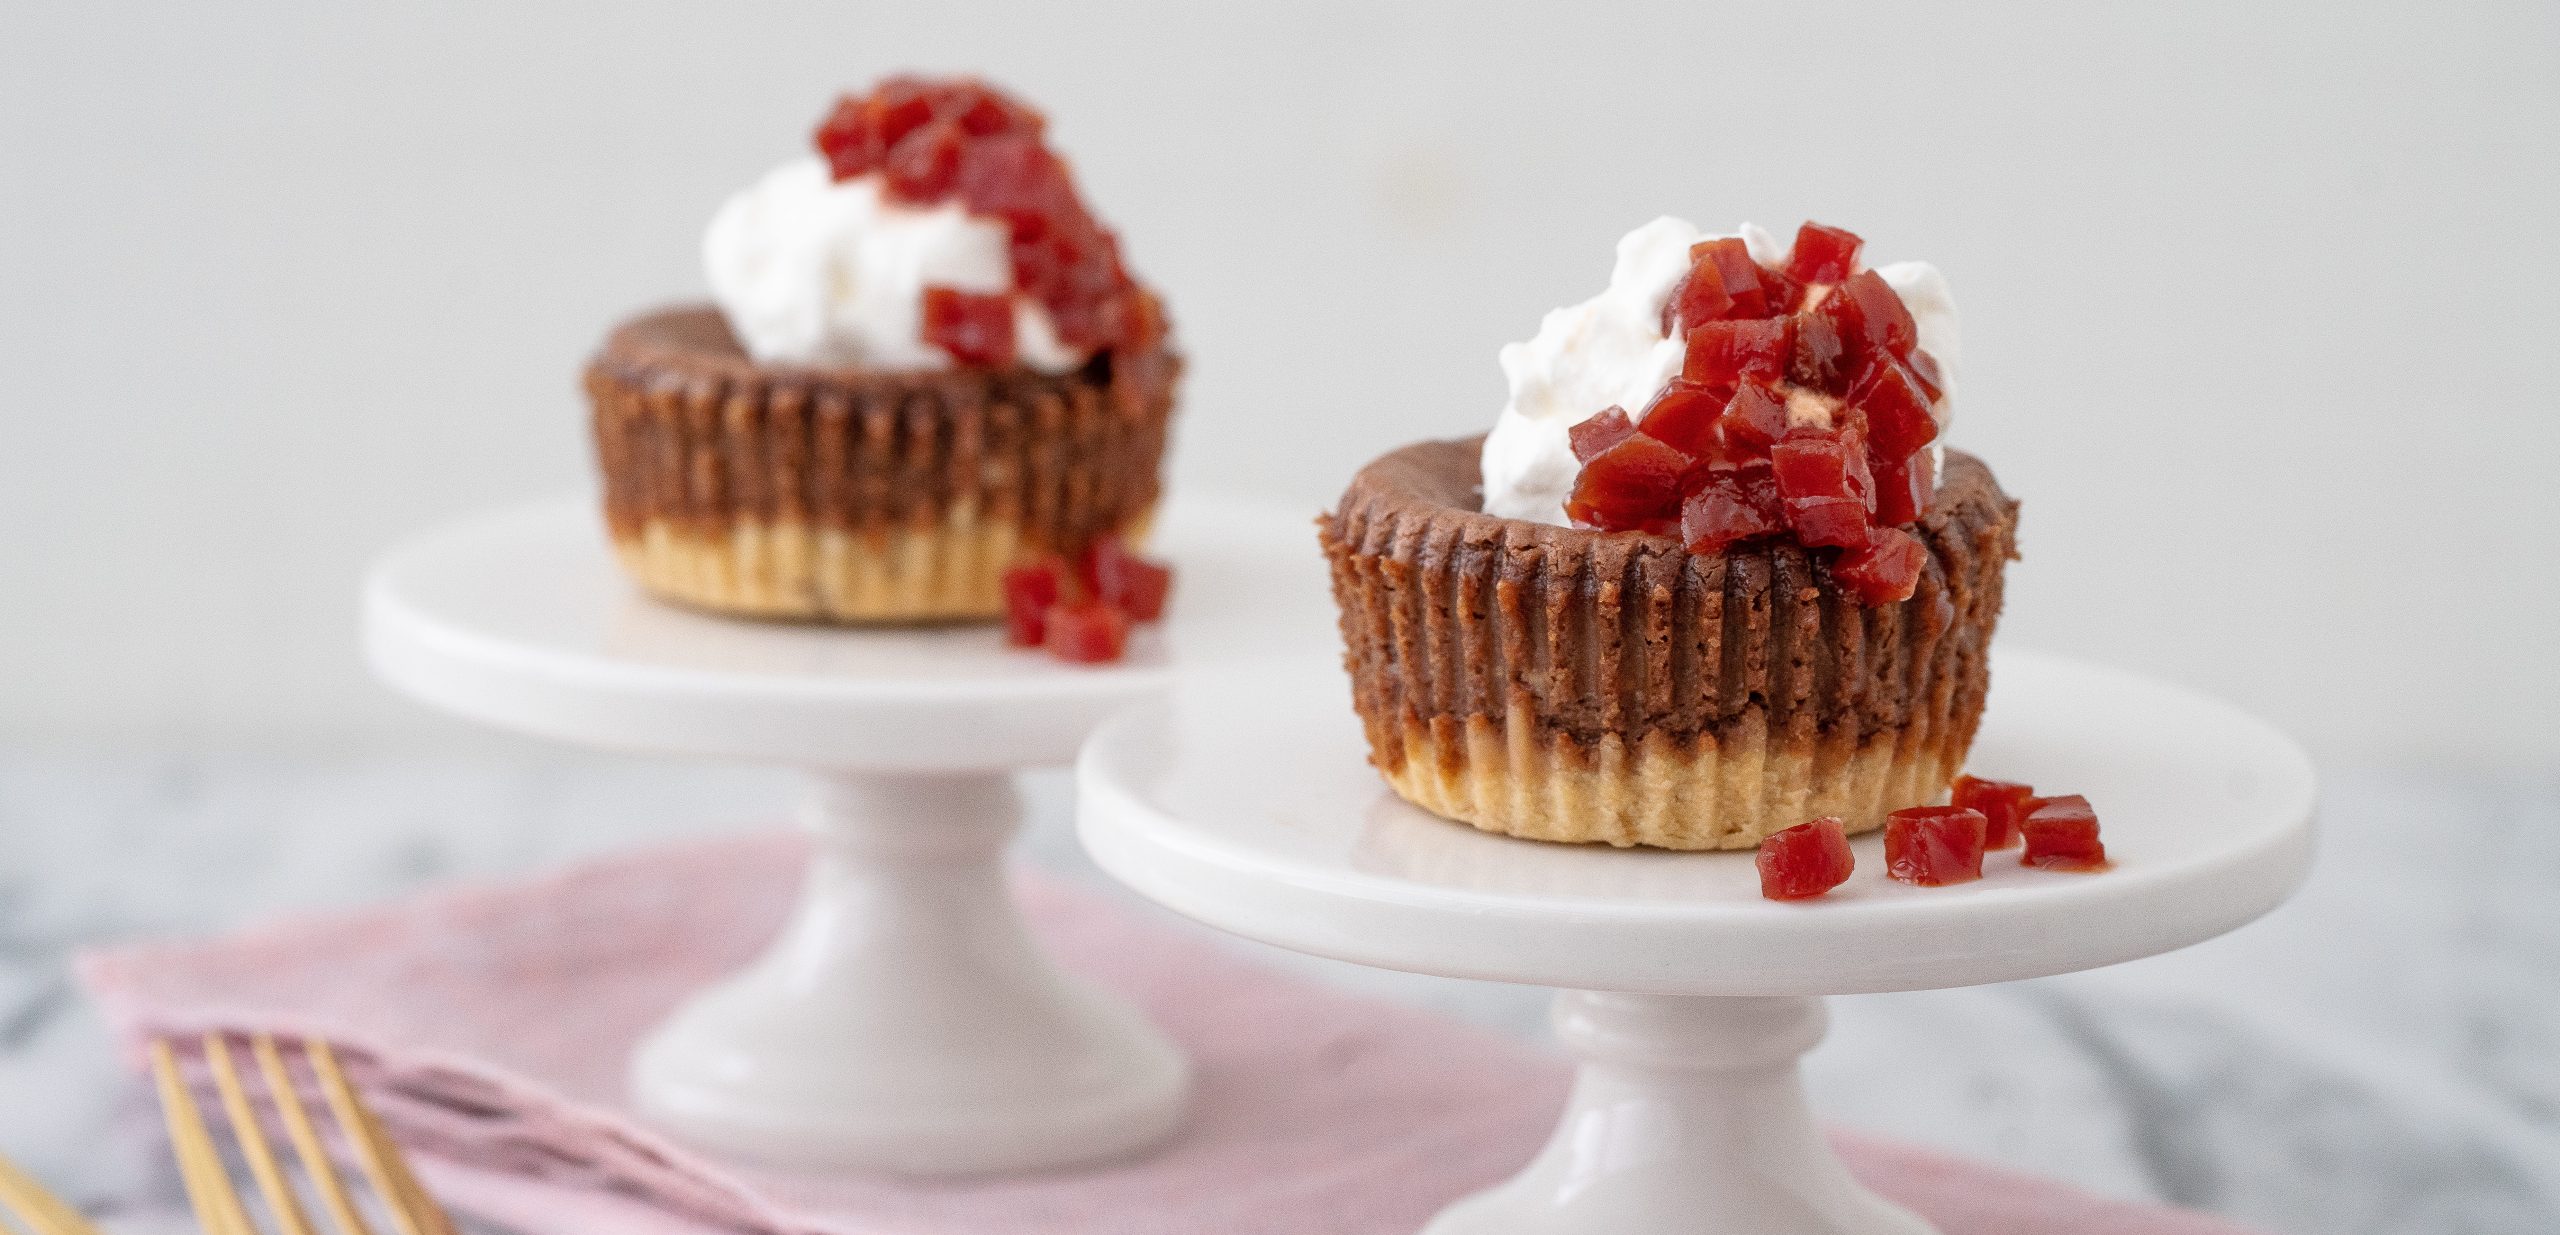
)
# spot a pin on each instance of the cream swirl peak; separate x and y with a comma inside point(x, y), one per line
point(1617, 350)
point(810, 270)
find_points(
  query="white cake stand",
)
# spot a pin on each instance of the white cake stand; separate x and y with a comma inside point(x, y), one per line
point(1246, 803)
point(904, 1021)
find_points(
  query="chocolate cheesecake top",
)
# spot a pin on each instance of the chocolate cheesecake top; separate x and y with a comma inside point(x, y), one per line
point(1448, 611)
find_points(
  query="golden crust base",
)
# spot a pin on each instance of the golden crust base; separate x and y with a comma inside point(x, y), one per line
point(1729, 793)
point(948, 572)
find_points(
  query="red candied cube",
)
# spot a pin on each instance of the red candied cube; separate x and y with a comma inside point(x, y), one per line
point(1887, 568)
point(1903, 487)
point(1087, 632)
point(1871, 317)
point(1739, 276)
point(1630, 485)
point(983, 111)
point(1898, 417)
point(1722, 512)
point(924, 166)
point(1811, 464)
point(1115, 576)
point(1780, 291)
point(1839, 522)
point(1753, 420)
point(1601, 432)
point(1823, 254)
point(1924, 368)
point(1698, 297)
point(2003, 804)
point(1727, 354)
point(1804, 861)
point(976, 329)
point(1821, 357)
point(2062, 834)
point(1031, 589)
point(1684, 416)
point(1933, 846)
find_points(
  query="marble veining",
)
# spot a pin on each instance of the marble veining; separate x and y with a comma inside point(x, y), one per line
point(2383, 1055)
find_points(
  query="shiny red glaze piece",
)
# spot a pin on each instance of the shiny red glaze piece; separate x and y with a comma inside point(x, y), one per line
point(1087, 632)
point(1782, 292)
point(1724, 511)
point(1804, 861)
point(1812, 465)
point(1117, 577)
point(1898, 417)
point(1821, 358)
point(1837, 522)
point(1739, 276)
point(1629, 486)
point(2062, 833)
point(1924, 368)
point(1727, 354)
point(1697, 298)
point(1884, 324)
point(1031, 589)
point(976, 329)
point(925, 165)
point(1884, 570)
point(1933, 846)
point(1684, 416)
point(1599, 433)
point(2003, 804)
point(1824, 254)
point(1753, 420)
point(1904, 487)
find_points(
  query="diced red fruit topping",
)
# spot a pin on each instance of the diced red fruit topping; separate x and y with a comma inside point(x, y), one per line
point(1698, 297)
point(1031, 589)
point(932, 140)
point(1804, 861)
point(1823, 254)
point(1087, 632)
point(1924, 369)
point(1884, 570)
point(1753, 420)
point(1898, 417)
point(1723, 512)
point(976, 329)
point(1903, 489)
point(2062, 833)
point(1600, 432)
point(1820, 358)
point(1629, 486)
point(1730, 258)
point(2003, 803)
point(1933, 846)
point(1884, 325)
point(1684, 416)
point(1824, 480)
point(1725, 354)
point(1780, 291)
point(1124, 580)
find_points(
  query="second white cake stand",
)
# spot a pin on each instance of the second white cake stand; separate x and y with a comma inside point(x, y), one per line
point(1247, 803)
point(905, 1021)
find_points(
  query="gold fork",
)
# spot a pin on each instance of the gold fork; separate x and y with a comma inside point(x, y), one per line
point(39, 1211)
point(218, 1205)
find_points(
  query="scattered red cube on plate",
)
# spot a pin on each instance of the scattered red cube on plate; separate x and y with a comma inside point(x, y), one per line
point(2062, 833)
point(1031, 589)
point(2003, 804)
point(1124, 580)
point(1087, 632)
point(1933, 846)
point(1804, 861)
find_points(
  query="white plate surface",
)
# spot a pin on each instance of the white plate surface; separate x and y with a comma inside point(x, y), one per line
point(1245, 801)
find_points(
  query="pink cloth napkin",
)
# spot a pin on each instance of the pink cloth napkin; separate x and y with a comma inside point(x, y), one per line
point(490, 1025)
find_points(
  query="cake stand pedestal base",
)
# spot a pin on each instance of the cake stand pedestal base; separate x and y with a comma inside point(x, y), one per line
point(904, 1021)
point(1687, 1115)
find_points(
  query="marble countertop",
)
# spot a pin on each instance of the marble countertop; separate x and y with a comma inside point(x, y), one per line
point(2382, 1055)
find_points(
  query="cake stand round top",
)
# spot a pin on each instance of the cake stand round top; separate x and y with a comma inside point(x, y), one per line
point(1246, 801)
point(521, 618)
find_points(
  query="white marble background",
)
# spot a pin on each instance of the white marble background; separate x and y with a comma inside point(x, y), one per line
point(2383, 1055)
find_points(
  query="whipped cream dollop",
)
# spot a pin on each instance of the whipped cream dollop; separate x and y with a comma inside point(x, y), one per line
point(1611, 350)
point(814, 271)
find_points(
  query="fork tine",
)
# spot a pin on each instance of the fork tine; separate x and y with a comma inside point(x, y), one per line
point(208, 1186)
point(432, 1214)
point(252, 1135)
point(316, 1162)
point(39, 1209)
point(372, 1152)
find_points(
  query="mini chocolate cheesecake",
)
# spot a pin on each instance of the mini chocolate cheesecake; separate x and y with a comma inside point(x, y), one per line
point(1569, 684)
point(861, 494)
